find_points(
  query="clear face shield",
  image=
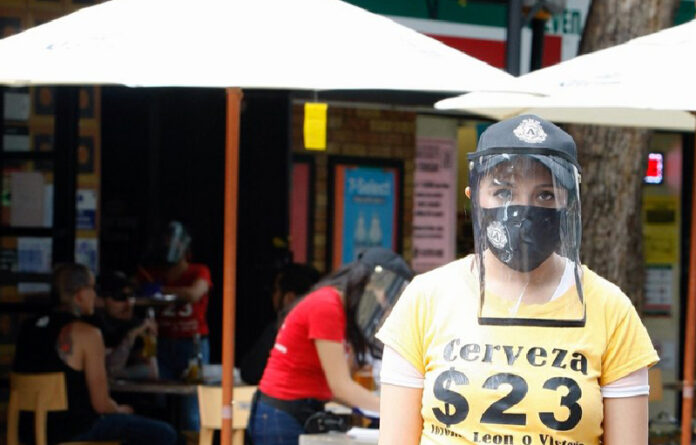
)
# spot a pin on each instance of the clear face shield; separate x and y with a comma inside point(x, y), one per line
point(380, 295)
point(527, 229)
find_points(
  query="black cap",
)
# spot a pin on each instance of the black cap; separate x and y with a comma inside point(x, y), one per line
point(379, 256)
point(113, 283)
point(532, 136)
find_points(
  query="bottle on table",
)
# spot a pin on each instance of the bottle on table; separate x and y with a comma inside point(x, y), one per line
point(149, 339)
point(194, 372)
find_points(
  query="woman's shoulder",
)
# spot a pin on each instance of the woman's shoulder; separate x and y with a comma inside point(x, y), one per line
point(450, 279)
point(600, 292)
point(322, 295)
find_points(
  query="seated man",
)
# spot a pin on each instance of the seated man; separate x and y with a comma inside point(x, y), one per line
point(131, 342)
point(290, 283)
point(61, 342)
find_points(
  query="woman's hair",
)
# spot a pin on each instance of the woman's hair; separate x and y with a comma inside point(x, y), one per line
point(351, 279)
point(69, 279)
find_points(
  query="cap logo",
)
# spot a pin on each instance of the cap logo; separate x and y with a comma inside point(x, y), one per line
point(530, 131)
point(496, 234)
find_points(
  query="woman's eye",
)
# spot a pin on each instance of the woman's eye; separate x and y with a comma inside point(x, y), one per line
point(546, 196)
point(503, 194)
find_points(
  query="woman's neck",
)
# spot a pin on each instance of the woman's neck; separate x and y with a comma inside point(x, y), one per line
point(535, 286)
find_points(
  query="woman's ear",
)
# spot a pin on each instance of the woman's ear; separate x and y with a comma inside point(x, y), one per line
point(467, 192)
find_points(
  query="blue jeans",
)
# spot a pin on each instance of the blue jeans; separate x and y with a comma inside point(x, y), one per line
point(271, 426)
point(173, 356)
point(130, 429)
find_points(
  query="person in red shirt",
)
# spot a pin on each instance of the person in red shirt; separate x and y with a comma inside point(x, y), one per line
point(182, 325)
point(328, 328)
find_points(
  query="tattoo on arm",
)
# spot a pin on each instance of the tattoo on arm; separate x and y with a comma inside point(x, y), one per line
point(65, 343)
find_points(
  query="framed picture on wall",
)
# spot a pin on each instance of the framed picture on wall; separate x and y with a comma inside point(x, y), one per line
point(365, 206)
point(302, 208)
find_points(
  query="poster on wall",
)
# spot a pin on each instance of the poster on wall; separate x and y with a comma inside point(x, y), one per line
point(434, 203)
point(658, 290)
point(366, 206)
point(301, 209)
point(86, 208)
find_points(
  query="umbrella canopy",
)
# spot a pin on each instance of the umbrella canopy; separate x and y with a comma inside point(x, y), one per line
point(299, 44)
point(646, 82)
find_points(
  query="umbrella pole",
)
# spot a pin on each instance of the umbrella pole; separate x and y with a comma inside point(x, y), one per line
point(229, 258)
point(690, 330)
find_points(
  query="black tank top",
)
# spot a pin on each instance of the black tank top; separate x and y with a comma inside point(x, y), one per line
point(37, 352)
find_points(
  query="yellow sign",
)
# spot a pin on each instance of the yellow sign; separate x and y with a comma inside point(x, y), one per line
point(661, 229)
point(315, 126)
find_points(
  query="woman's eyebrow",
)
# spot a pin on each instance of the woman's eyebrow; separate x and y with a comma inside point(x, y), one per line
point(545, 185)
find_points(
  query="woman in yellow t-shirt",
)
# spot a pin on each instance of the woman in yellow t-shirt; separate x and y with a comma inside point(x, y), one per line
point(518, 343)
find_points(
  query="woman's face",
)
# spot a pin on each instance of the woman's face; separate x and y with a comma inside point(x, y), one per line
point(523, 182)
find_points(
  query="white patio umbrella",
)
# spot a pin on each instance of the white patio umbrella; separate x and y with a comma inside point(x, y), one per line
point(646, 82)
point(298, 44)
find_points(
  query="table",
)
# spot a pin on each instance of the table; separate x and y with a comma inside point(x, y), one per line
point(171, 387)
point(335, 438)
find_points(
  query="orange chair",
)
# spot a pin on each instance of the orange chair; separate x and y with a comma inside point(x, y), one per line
point(210, 409)
point(39, 393)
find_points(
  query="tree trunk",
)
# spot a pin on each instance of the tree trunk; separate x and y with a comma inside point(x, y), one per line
point(613, 159)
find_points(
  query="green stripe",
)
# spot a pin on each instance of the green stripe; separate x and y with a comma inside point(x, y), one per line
point(685, 13)
point(458, 11)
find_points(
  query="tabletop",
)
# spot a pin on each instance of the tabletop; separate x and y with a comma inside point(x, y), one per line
point(153, 386)
point(356, 436)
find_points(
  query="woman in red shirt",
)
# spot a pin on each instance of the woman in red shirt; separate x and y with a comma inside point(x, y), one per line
point(182, 325)
point(309, 364)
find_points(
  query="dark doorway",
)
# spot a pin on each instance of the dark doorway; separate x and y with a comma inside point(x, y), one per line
point(163, 153)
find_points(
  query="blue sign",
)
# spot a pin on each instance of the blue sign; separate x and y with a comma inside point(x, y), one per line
point(369, 210)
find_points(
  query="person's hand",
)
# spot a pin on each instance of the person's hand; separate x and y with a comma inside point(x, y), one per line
point(148, 326)
point(124, 409)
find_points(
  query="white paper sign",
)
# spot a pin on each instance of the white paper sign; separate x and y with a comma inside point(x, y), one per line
point(86, 207)
point(86, 253)
point(434, 203)
point(16, 106)
point(26, 199)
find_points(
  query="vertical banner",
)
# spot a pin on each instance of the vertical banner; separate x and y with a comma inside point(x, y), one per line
point(435, 203)
point(366, 208)
point(301, 211)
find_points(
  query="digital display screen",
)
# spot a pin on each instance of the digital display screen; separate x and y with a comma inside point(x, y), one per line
point(654, 174)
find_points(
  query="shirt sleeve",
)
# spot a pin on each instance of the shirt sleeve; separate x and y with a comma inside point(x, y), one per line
point(403, 330)
point(629, 347)
point(326, 321)
point(203, 273)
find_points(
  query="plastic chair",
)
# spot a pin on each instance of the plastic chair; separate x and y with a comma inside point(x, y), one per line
point(655, 382)
point(210, 409)
point(39, 393)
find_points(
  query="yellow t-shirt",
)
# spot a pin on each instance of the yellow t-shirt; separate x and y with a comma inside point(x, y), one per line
point(518, 385)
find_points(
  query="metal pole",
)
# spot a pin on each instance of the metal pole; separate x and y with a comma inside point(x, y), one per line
point(229, 259)
point(690, 329)
point(514, 37)
point(538, 28)
point(65, 167)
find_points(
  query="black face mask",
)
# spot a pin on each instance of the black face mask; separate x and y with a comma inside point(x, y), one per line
point(522, 237)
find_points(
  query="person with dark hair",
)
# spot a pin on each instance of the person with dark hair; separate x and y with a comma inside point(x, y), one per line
point(182, 325)
point(519, 342)
point(309, 364)
point(290, 283)
point(62, 342)
point(130, 341)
